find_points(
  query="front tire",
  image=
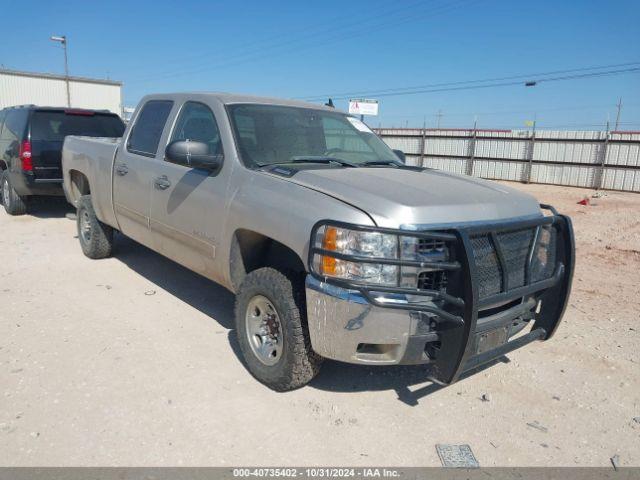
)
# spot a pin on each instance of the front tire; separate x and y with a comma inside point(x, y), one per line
point(96, 238)
point(272, 332)
point(13, 203)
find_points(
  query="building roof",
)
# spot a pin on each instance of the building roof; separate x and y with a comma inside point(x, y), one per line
point(18, 73)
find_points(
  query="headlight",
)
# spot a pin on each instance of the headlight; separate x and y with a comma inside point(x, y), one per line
point(357, 243)
point(376, 258)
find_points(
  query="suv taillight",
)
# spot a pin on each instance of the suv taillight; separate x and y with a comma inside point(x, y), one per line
point(25, 156)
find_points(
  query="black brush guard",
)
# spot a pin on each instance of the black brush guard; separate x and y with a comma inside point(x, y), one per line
point(456, 321)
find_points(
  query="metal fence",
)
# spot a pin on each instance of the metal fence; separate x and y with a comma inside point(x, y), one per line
point(593, 159)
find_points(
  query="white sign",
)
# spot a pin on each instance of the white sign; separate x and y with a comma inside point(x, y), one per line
point(361, 106)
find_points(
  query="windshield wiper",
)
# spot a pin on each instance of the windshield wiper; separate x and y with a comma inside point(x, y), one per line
point(381, 162)
point(314, 159)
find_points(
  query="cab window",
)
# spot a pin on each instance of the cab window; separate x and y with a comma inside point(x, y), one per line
point(146, 133)
point(197, 123)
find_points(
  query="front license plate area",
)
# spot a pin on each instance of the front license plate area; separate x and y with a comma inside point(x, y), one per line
point(486, 341)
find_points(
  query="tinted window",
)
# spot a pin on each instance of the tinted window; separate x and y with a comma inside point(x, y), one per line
point(15, 124)
point(246, 128)
point(147, 130)
point(197, 123)
point(341, 136)
point(54, 126)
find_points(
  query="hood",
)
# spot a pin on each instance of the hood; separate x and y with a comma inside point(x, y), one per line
point(394, 196)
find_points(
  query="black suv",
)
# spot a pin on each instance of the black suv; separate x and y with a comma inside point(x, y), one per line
point(31, 141)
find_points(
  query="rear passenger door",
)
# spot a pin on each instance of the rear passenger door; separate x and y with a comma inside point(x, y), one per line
point(134, 170)
point(187, 204)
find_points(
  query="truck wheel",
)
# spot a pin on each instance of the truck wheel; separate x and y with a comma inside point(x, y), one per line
point(13, 203)
point(271, 327)
point(96, 238)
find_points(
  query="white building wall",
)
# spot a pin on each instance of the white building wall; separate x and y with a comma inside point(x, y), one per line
point(18, 88)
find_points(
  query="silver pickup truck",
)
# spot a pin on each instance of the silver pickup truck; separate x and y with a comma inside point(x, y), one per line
point(333, 246)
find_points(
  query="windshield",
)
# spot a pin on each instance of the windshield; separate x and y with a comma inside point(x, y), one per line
point(271, 134)
point(53, 126)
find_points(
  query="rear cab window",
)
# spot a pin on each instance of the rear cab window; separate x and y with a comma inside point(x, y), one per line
point(150, 123)
point(53, 126)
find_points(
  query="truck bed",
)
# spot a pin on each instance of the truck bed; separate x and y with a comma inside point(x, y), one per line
point(89, 161)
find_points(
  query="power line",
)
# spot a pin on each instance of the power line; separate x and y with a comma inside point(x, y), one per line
point(261, 43)
point(309, 31)
point(489, 85)
point(296, 45)
point(380, 92)
point(508, 112)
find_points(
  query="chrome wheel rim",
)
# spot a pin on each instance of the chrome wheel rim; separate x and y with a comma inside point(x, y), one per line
point(264, 330)
point(5, 192)
point(85, 226)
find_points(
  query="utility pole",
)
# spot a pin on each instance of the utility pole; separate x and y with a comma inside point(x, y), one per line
point(531, 148)
point(423, 143)
point(472, 147)
point(63, 40)
point(599, 178)
point(439, 116)
point(619, 105)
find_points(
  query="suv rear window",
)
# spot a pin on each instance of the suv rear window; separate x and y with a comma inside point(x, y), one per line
point(54, 126)
point(15, 124)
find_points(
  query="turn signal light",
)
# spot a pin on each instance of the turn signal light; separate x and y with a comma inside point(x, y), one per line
point(329, 242)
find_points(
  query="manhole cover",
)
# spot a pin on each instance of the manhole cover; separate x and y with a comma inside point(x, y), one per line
point(456, 456)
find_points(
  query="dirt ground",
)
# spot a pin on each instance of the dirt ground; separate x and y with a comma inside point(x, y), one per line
point(133, 361)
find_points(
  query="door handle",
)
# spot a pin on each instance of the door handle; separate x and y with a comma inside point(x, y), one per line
point(162, 183)
point(122, 169)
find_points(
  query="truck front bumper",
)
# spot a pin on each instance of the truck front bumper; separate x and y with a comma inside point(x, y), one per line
point(361, 324)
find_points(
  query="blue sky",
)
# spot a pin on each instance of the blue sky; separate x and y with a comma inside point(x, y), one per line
point(304, 49)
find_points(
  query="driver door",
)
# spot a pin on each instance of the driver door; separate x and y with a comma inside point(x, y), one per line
point(187, 204)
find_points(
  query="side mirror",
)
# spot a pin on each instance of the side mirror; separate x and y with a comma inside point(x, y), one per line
point(400, 154)
point(192, 154)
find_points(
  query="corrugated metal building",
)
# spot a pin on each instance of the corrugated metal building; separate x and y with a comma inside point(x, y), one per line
point(592, 159)
point(22, 88)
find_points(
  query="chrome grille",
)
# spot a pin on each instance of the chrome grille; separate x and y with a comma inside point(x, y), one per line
point(435, 280)
point(427, 246)
point(544, 258)
point(515, 247)
point(488, 270)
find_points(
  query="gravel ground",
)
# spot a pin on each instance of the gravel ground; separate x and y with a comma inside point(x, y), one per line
point(132, 361)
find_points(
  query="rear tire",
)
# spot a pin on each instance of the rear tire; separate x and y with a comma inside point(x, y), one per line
point(14, 204)
point(96, 238)
point(292, 363)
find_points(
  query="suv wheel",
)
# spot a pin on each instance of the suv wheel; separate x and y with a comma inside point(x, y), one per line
point(13, 203)
point(272, 332)
point(96, 238)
